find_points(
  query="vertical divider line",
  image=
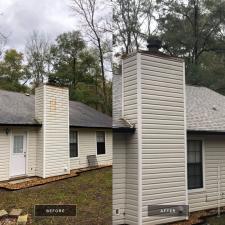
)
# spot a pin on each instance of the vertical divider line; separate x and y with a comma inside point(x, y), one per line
point(139, 130)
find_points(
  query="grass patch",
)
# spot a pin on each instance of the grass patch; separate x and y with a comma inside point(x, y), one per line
point(91, 192)
point(215, 220)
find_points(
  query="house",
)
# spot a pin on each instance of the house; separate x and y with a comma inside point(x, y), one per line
point(168, 142)
point(46, 134)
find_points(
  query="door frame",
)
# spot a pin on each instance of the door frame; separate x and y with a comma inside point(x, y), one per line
point(25, 134)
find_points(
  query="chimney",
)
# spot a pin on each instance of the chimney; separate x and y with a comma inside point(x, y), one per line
point(154, 44)
point(52, 111)
point(152, 161)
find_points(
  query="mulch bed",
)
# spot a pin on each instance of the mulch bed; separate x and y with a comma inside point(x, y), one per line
point(8, 221)
point(198, 218)
point(35, 181)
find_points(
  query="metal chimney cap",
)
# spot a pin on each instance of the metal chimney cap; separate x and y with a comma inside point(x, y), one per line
point(154, 44)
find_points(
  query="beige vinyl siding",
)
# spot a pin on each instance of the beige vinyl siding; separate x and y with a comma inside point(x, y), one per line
point(119, 178)
point(213, 154)
point(87, 145)
point(40, 153)
point(39, 115)
point(5, 154)
point(163, 135)
point(130, 113)
point(119, 157)
point(56, 131)
point(39, 104)
point(131, 179)
point(32, 141)
point(117, 98)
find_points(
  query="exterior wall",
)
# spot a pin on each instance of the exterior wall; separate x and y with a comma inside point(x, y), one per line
point(155, 155)
point(39, 115)
point(32, 141)
point(56, 131)
point(5, 155)
point(213, 155)
point(119, 157)
point(129, 111)
point(163, 135)
point(52, 110)
point(87, 141)
point(119, 178)
point(117, 98)
point(5, 150)
point(87, 145)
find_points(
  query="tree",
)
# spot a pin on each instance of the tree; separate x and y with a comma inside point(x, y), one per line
point(76, 66)
point(12, 71)
point(194, 30)
point(97, 29)
point(38, 58)
point(66, 54)
point(132, 22)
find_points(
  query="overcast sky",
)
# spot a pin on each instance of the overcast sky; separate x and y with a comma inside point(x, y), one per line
point(19, 18)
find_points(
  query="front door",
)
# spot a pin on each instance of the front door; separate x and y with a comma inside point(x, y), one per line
point(18, 155)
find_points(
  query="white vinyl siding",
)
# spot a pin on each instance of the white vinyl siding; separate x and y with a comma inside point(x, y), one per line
point(213, 155)
point(56, 131)
point(32, 143)
point(87, 146)
point(119, 178)
point(125, 175)
point(130, 113)
point(5, 154)
point(163, 135)
point(39, 116)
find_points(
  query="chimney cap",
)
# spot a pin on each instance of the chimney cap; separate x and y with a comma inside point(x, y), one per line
point(154, 44)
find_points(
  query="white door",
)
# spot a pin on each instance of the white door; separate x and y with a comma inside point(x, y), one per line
point(18, 155)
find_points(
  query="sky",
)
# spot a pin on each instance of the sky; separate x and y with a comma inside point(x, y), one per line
point(19, 18)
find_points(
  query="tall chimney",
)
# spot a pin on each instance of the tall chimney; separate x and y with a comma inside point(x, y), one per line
point(149, 166)
point(52, 111)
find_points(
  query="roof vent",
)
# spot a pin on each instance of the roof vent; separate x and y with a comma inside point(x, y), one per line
point(214, 108)
point(154, 44)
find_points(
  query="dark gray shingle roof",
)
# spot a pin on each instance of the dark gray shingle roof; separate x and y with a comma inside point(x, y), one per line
point(205, 109)
point(17, 108)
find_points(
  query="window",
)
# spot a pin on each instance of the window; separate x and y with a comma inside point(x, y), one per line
point(18, 144)
point(100, 142)
point(73, 144)
point(195, 166)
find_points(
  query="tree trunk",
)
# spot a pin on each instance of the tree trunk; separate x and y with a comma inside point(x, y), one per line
point(103, 74)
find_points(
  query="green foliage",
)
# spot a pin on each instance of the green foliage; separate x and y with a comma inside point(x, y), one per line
point(12, 71)
point(67, 58)
point(194, 30)
point(77, 66)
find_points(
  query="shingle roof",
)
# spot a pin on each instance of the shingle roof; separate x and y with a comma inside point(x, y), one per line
point(19, 109)
point(205, 109)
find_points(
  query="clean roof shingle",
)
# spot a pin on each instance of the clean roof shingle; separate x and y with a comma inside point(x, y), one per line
point(17, 108)
point(205, 109)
